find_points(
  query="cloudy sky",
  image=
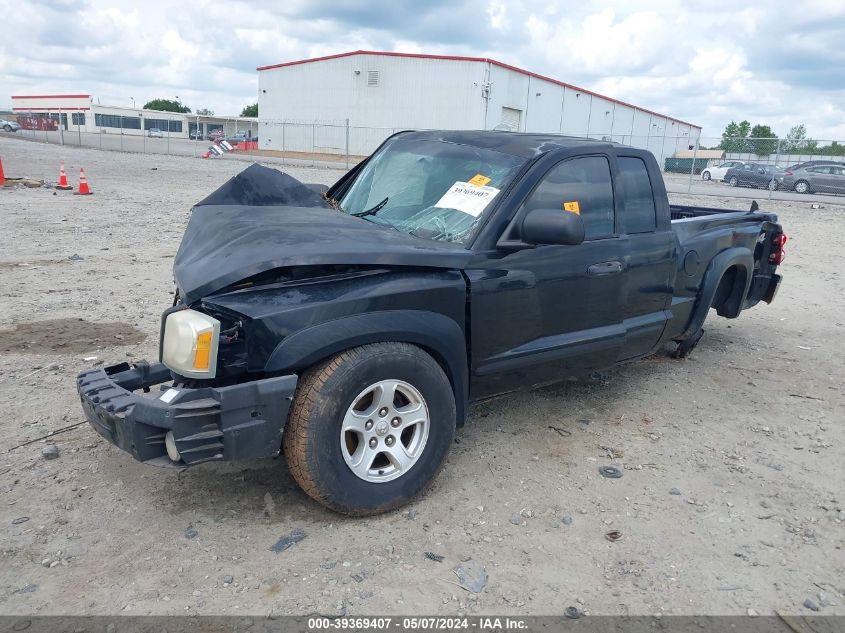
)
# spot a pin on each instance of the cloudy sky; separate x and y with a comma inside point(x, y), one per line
point(779, 62)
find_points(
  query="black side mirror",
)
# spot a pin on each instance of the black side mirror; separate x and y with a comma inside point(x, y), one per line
point(552, 226)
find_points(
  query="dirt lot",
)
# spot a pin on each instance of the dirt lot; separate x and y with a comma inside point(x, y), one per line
point(731, 499)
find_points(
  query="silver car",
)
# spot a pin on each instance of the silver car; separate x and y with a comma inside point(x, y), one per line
point(816, 179)
point(9, 126)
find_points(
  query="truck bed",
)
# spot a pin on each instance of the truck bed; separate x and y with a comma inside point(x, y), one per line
point(682, 212)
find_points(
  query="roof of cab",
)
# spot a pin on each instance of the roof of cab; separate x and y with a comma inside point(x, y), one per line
point(527, 145)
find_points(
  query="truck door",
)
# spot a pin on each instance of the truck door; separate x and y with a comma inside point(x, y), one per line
point(541, 314)
point(649, 244)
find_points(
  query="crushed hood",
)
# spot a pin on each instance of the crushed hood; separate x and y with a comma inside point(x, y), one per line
point(263, 219)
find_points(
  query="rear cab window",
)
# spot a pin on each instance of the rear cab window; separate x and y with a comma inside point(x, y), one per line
point(640, 214)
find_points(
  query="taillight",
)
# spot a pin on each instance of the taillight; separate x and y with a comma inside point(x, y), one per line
point(778, 253)
point(789, 173)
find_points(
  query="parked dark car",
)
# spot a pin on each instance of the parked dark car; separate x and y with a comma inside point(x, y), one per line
point(352, 327)
point(813, 163)
point(753, 175)
point(816, 179)
point(195, 134)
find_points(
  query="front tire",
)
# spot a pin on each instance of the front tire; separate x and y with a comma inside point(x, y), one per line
point(802, 186)
point(370, 428)
point(773, 185)
point(705, 175)
point(8, 128)
point(734, 181)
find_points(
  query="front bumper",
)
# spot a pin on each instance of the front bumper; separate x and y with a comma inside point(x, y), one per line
point(241, 421)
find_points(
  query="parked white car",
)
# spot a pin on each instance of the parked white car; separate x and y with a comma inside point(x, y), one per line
point(9, 126)
point(717, 172)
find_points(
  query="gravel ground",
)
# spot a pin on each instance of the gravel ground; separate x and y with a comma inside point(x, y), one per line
point(731, 495)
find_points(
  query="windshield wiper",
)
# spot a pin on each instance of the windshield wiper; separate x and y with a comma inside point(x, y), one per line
point(372, 211)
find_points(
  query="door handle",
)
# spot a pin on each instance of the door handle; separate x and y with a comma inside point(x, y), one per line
point(604, 268)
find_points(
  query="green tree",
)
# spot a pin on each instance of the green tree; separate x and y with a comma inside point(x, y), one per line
point(250, 110)
point(735, 137)
point(796, 141)
point(205, 112)
point(166, 105)
point(763, 140)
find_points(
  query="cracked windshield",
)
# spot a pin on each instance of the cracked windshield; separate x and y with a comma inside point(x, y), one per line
point(430, 189)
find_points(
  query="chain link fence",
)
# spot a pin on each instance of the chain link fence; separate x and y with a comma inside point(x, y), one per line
point(784, 168)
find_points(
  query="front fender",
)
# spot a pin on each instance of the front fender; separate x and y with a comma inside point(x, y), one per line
point(439, 335)
point(740, 257)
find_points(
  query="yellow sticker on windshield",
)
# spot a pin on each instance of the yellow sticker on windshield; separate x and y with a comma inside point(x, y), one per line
point(573, 206)
point(478, 180)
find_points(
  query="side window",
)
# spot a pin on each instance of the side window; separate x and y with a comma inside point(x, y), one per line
point(639, 215)
point(585, 181)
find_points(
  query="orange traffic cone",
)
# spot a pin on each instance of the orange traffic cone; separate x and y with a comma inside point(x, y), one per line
point(2, 175)
point(83, 184)
point(63, 179)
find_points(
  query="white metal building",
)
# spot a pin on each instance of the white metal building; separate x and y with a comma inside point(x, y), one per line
point(79, 113)
point(379, 92)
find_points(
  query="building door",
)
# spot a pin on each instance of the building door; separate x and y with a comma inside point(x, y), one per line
point(512, 118)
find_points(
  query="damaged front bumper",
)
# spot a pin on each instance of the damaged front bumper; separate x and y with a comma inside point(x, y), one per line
point(206, 424)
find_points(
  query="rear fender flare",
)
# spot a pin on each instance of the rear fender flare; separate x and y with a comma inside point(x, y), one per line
point(743, 260)
point(437, 334)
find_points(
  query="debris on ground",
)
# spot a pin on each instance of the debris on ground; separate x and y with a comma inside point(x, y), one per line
point(50, 452)
point(472, 576)
point(190, 532)
point(288, 541)
point(572, 613)
point(611, 472)
point(437, 558)
point(674, 491)
point(812, 606)
point(613, 535)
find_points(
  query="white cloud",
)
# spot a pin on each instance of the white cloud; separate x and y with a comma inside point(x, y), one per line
point(706, 62)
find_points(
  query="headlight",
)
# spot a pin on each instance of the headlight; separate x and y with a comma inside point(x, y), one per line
point(190, 344)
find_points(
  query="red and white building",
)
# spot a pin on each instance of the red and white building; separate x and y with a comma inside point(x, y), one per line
point(79, 113)
point(385, 91)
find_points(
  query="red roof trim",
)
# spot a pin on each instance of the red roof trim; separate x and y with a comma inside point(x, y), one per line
point(51, 96)
point(42, 109)
point(478, 59)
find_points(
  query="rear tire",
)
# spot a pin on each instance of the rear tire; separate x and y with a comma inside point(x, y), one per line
point(802, 186)
point(773, 185)
point(705, 175)
point(320, 450)
point(8, 128)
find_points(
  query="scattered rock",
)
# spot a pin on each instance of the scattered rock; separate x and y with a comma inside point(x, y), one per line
point(75, 258)
point(50, 452)
point(812, 606)
point(572, 613)
point(20, 520)
point(190, 532)
point(516, 519)
point(472, 576)
point(674, 491)
point(269, 505)
point(288, 541)
point(411, 514)
point(567, 520)
point(328, 565)
point(227, 580)
point(613, 535)
point(30, 588)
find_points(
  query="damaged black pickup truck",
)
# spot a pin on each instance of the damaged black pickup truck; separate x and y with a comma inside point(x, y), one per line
point(351, 327)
